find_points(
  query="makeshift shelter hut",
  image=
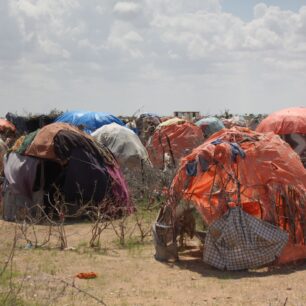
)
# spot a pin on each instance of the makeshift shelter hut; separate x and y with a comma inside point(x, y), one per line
point(290, 124)
point(89, 121)
point(210, 125)
point(250, 189)
point(173, 140)
point(61, 158)
point(146, 124)
point(124, 144)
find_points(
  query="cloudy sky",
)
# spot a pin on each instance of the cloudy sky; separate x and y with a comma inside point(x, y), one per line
point(153, 55)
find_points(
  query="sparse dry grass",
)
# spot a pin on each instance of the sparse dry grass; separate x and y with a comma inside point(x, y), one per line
point(130, 275)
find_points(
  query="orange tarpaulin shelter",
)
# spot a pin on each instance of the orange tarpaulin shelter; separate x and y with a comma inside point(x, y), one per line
point(290, 124)
point(175, 140)
point(286, 121)
point(6, 125)
point(258, 172)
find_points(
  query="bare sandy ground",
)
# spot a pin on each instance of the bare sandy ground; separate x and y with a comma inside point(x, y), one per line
point(131, 276)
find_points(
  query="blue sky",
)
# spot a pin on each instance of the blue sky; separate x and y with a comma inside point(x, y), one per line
point(244, 8)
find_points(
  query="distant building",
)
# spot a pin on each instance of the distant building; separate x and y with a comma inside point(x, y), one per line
point(187, 115)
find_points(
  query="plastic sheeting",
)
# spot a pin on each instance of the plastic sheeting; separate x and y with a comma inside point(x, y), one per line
point(175, 141)
point(123, 143)
point(285, 121)
point(268, 183)
point(210, 125)
point(290, 124)
point(89, 120)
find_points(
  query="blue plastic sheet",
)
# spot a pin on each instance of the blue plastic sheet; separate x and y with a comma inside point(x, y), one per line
point(236, 149)
point(191, 168)
point(89, 120)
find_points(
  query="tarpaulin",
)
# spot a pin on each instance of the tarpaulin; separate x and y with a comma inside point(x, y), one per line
point(123, 143)
point(269, 183)
point(89, 120)
point(286, 121)
point(175, 140)
point(210, 125)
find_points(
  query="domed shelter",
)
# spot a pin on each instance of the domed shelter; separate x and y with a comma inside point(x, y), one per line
point(124, 144)
point(88, 121)
point(210, 125)
point(250, 189)
point(59, 158)
point(146, 124)
point(172, 140)
point(290, 124)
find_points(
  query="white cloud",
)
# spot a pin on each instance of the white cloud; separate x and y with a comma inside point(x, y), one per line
point(125, 38)
point(187, 50)
point(260, 10)
point(127, 7)
point(52, 48)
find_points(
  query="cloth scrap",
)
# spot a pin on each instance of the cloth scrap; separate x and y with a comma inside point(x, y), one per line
point(191, 168)
point(236, 149)
point(240, 241)
point(86, 275)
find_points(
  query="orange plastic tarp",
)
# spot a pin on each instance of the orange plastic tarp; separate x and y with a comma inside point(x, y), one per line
point(176, 139)
point(271, 180)
point(285, 121)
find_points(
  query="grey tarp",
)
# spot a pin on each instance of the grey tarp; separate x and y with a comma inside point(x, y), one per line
point(20, 172)
point(123, 143)
point(240, 241)
point(210, 125)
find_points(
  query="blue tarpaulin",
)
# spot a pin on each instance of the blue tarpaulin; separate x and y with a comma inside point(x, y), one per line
point(89, 120)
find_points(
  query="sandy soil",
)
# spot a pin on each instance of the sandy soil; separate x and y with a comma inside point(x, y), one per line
point(131, 276)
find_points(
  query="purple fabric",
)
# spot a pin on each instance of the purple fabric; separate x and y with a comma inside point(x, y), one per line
point(120, 189)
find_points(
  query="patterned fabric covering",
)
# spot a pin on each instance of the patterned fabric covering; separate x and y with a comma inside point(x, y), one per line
point(26, 141)
point(239, 241)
